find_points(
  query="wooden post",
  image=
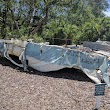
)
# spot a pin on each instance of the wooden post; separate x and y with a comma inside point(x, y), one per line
point(98, 99)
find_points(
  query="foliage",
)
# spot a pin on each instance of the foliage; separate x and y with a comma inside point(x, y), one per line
point(78, 20)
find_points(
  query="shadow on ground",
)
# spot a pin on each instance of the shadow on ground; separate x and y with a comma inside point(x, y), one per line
point(67, 73)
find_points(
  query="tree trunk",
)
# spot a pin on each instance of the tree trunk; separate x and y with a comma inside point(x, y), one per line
point(42, 22)
point(3, 30)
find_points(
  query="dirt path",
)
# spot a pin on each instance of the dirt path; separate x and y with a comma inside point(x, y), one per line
point(67, 89)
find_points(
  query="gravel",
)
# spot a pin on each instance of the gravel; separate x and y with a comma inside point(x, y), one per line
point(66, 89)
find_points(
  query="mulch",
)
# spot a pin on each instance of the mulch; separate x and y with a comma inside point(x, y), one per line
point(66, 89)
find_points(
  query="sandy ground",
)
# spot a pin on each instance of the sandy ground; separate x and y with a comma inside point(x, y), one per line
point(67, 89)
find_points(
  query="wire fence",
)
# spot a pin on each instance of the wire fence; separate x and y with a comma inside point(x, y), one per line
point(61, 41)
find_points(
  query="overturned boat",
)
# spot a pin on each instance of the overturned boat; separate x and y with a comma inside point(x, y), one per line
point(45, 58)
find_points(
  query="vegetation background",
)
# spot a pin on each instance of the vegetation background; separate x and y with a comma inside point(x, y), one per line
point(54, 20)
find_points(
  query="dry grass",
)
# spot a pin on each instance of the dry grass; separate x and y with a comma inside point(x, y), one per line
point(67, 89)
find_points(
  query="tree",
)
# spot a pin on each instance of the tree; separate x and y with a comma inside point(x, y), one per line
point(64, 19)
point(98, 6)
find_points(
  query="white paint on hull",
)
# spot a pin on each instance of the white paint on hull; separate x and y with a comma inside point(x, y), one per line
point(15, 50)
point(43, 66)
